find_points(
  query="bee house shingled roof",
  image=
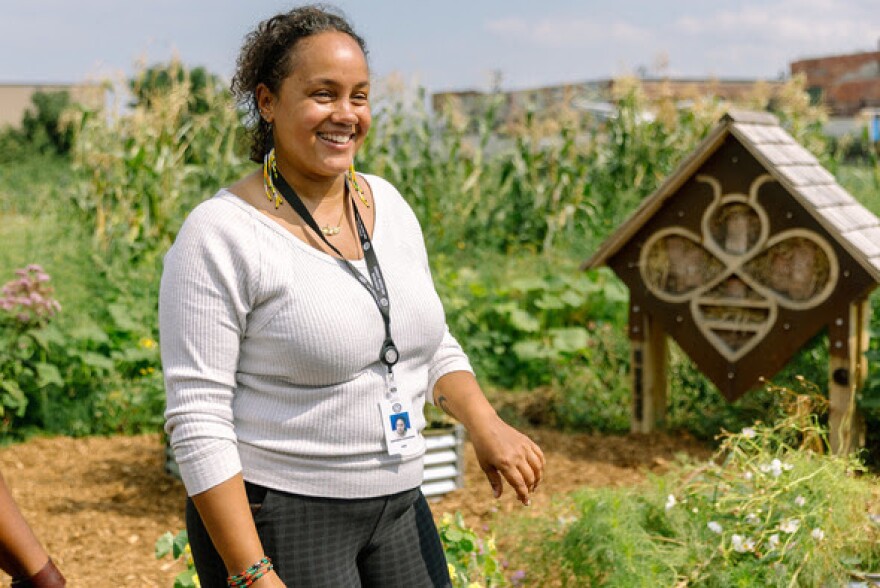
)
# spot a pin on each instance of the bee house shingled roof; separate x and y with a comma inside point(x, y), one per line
point(745, 252)
point(855, 227)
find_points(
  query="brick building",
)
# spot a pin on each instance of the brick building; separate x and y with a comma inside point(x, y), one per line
point(845, 84)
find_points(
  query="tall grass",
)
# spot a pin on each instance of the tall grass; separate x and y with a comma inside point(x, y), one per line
point(141, 170)
point(771, 508)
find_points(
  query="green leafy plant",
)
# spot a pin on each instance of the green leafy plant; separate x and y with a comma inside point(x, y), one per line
point(473, 561)
point(77, 380)
point(26, 307)
point(178, 547)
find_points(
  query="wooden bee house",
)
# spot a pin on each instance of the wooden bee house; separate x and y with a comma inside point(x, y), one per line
point(742, 255)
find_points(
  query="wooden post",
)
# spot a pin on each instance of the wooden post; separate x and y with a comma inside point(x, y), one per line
point(649, 383)
point(847, 366)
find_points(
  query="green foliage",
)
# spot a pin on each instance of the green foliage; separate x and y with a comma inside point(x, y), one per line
point(152, 84)
point(178, 547)
point(509, 206)
point(30, 182)
point(141, 171)
point(74, 380)
point(521, 325)
point(46, 126)
point(771, 508)
point(473, 562)
point(45, 129)
point(532, 188)
point(26, 307)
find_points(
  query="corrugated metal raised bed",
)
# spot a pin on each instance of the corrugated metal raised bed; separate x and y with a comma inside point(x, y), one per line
point(444, 460)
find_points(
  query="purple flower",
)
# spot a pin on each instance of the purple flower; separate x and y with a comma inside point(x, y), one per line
point(28, 299)
point(518, 577)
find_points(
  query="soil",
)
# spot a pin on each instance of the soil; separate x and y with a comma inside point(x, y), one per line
point(99, 504)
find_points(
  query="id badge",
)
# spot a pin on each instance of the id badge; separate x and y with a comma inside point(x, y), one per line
point(401, 437)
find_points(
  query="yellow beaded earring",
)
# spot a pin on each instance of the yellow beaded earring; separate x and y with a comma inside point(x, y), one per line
point(352, 178)
point(270, 167)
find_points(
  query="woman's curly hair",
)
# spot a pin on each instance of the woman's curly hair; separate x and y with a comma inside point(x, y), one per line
point(265, 58)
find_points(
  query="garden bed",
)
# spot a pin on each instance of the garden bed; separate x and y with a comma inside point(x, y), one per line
point(99, 504)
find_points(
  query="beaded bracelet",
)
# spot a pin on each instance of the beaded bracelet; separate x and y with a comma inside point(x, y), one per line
point(250, 575)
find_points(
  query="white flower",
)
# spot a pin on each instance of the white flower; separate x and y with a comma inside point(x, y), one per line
point(790, 526)
point(800, 501)
point(817, 534)
point(752, 518)
point(670, 502)
point(742, 544)
point(714, 527)
point(775, 468)
point(748, 432)
point(748, 476)
point(773, 541)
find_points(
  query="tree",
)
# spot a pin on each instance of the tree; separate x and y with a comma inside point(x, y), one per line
point(43, 126)
point(162, 78)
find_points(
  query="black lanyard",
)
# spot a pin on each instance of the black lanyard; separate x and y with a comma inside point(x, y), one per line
point(375, 285)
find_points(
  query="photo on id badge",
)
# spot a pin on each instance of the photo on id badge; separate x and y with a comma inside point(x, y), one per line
point(400, 425)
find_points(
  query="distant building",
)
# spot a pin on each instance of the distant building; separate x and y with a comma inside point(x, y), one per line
point(845, 84)
point(597, 97)
point(15, 99)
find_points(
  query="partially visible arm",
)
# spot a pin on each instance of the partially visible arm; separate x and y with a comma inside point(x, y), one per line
point(21, 554)
point(502, 451)
point(227, 516)
point(204, 299)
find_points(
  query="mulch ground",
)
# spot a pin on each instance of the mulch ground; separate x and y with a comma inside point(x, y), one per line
point(99, 504)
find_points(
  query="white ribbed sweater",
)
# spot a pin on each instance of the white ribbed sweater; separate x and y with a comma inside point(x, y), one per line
point(270, 352)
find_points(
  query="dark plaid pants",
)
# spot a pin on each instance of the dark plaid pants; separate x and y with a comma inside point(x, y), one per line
point(385, 542)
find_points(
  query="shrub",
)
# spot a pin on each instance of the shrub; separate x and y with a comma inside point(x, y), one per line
point(473, 561)
point(26, 307)
point(772, 508)
point(45, 127)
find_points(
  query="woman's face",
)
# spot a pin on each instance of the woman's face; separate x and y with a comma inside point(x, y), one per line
point(321, 113)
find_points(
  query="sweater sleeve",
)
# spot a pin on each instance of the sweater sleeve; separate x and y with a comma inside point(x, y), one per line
point(203, 305)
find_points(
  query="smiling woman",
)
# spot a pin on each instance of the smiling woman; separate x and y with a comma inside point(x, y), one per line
point(295, 403)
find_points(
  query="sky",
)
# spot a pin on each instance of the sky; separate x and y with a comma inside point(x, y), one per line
point(447, 44)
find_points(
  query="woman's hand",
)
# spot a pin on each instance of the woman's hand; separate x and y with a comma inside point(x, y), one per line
point(504, 452)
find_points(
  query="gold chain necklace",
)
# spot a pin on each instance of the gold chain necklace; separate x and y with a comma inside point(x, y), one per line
point(329, 231)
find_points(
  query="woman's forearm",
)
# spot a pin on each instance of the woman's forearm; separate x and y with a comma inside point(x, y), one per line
point(225, 512)
point(20, 552)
